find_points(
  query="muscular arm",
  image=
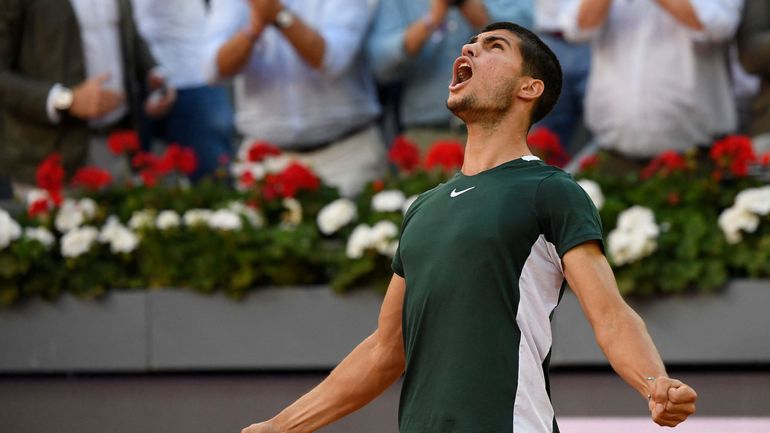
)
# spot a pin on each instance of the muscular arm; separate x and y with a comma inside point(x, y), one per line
point(363, 375)
point(623, 337)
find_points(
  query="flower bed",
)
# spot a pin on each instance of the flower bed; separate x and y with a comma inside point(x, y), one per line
point(680, 224)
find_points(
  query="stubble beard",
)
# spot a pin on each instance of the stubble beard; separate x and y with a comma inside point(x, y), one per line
point(470, 109)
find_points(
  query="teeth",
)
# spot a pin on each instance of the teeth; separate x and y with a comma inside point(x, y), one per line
point(464, 72)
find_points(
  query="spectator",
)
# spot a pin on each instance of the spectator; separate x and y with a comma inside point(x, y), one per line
point(659, 77)
point(415, 42)
point(754, 50)
point(70, 71)
point(301, 81)
point(203, 117)
point(575, 58)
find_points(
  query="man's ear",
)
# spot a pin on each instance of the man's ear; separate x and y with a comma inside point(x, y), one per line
point(530, 89)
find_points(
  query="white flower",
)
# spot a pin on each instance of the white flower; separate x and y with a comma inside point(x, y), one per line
point(252, 215)
point(225, 219)
point(388, 201)
point(197, 217)
point(293, 215)
point(360, 240)
point(9, 229)
point(120, 237)
point(383, 235)
point(78, 241)
point(34, 195)
point(70, 216)
point(276, 164)
point(142, 219)
point(756, 200)
point(635, 236)
point(408, 203)
point(336, 215)
point(88, 207)
point(40, 234)
point(594, 191)
point(167, 219)
point(735, 219)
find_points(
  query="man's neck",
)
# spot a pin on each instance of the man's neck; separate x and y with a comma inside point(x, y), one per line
point(490, 145)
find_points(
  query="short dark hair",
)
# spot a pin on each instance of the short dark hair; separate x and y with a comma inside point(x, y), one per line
point(538, 62)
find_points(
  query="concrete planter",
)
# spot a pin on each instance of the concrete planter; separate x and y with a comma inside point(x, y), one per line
point(313, 328)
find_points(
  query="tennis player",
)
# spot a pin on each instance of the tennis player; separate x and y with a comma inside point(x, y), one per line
point(481, 265)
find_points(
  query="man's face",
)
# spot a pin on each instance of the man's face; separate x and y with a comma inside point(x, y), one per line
point(485, 77)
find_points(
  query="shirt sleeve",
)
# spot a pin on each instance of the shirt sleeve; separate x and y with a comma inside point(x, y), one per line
point(566, 215)
point(343, 27)
point(225, 19)
point(385, 45)
point(720, 18)
point(520, 12)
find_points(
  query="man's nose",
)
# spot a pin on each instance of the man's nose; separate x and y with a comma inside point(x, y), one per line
point(469, 50)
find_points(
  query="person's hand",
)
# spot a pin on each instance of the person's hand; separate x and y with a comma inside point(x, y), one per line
point(671, 401)
point(266, 9)
point(438, 11)
point(161, 98)
point(90, 100)
point(263, 427)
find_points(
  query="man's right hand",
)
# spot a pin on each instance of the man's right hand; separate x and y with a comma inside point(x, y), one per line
point(263, 427)
point(91, 100)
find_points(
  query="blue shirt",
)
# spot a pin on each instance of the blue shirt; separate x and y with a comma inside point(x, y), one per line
point(278, 96)
point(425, 78)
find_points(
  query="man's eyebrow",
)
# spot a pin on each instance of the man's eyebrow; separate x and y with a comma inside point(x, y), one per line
point(494, 38)
point(473, 39)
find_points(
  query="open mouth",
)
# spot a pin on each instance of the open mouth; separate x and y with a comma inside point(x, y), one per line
point(462, 73)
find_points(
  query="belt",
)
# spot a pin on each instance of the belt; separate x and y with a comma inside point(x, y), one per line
point(324, 144)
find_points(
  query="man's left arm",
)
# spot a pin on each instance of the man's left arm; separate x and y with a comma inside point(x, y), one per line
point(715, 19)
point(623, 336)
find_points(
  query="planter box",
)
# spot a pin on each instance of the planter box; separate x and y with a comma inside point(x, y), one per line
point(313, 328)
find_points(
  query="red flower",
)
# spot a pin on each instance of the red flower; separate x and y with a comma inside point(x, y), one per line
point(733, 153)
point(547, 146)
point(50, 173)
point(448, 155)
point(247, 179)
point(120, 142)
point(39, 207)
point(673, 198)
point(378, 185)
point(404, 153)
point(149, 177)
point(764, 159)
point(665, 164)
point(260, 150)
point(589, 162)
point(178, 158)
point(294, 178)
point(92, 178)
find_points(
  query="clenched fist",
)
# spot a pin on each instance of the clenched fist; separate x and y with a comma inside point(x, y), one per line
point(671, 401)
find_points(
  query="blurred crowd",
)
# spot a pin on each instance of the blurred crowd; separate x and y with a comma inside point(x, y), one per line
point(332, 82)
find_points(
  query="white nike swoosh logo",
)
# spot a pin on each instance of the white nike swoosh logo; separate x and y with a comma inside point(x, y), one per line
point(455, 192)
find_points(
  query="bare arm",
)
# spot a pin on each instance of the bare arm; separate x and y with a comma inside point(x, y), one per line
point(475, 12)
point(363, 375)
point(683, 11)
point(419, 31)
point(623, 337)
point(593, 13)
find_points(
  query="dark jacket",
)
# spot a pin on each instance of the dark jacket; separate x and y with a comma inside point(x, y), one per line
point(754, 49)
point(40, 45)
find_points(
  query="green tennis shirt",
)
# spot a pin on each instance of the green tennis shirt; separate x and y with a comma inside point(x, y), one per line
point(481, 256)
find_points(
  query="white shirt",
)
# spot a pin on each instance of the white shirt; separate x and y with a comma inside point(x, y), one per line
point(279, 97)
point(548, 14)
point(174, 30)
point(100, 34)
point(656, 84)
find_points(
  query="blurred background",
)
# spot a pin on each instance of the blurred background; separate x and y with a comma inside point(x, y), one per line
point(200, 200)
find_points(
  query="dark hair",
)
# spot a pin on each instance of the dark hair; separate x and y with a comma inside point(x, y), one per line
point(538, 62)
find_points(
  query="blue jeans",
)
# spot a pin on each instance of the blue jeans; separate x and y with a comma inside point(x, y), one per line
point(201, 119)
point(575, 62)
